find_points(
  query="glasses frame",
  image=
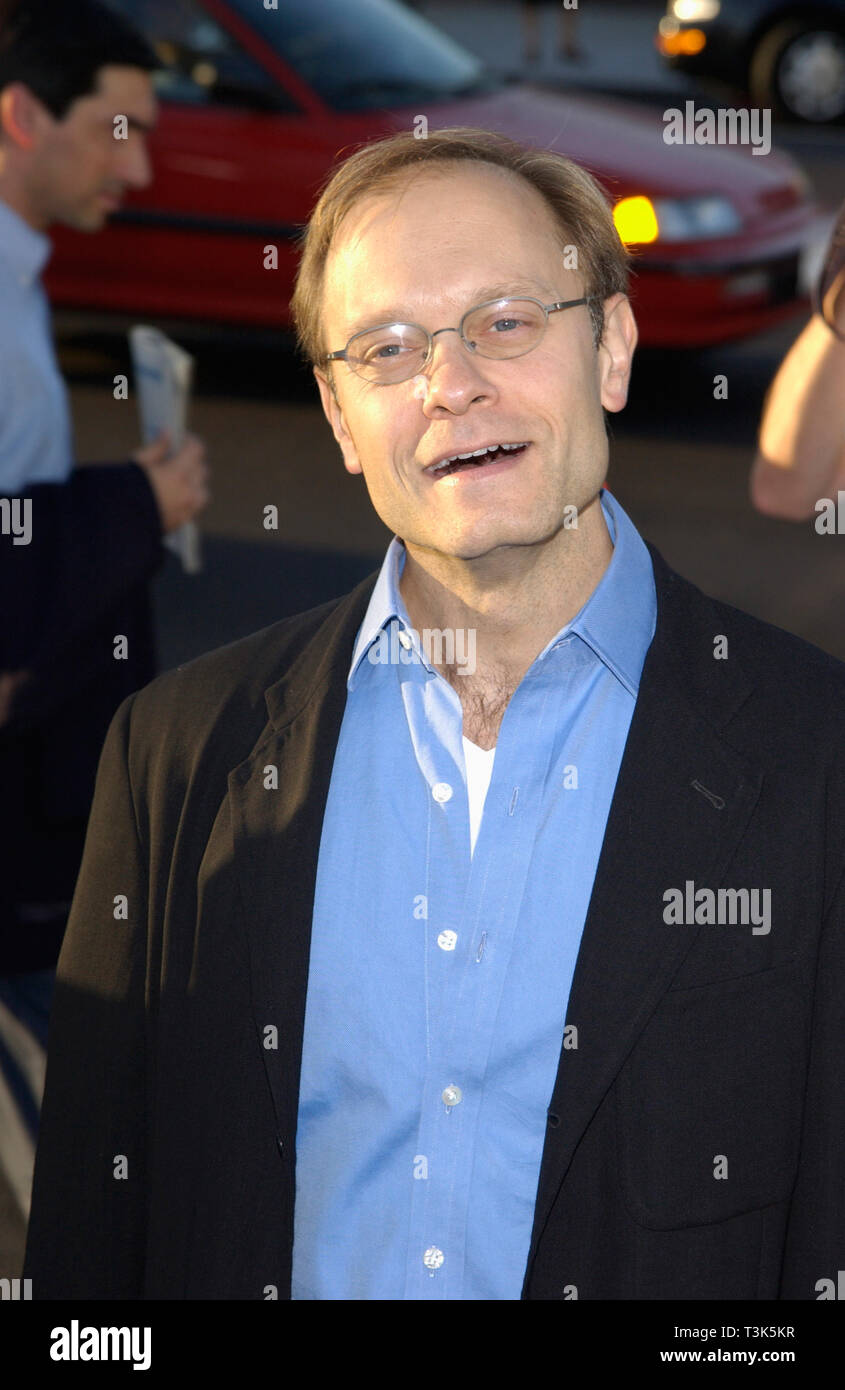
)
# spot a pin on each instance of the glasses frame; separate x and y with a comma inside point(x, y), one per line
point(553, 308)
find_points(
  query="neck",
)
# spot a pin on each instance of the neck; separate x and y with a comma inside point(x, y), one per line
point(515, 598)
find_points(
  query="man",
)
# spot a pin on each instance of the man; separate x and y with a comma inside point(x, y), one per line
point(326, 1029)
point(801, 450)
point(78, 545)
point(77, 575)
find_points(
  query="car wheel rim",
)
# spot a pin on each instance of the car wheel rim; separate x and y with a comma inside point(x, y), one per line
point(812, 76)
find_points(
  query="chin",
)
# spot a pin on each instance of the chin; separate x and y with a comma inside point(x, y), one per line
point(474, 547)
point(89, 219)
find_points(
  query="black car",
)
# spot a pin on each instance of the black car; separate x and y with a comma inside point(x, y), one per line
point(788, 55)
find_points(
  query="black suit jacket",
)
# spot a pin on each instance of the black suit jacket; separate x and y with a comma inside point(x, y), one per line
point(165, 1167)
point(82, 580)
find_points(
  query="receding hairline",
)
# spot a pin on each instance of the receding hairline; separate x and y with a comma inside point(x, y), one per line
point(574, 198)
point(399, 182)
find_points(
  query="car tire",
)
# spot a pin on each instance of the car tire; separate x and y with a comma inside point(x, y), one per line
point(786, 68)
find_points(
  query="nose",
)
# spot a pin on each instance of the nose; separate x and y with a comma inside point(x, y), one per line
point(454, 373)
point(136, 168)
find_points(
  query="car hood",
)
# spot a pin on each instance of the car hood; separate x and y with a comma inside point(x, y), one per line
point(622, 145)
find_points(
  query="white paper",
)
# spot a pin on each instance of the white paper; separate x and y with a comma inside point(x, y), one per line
point(163, 379)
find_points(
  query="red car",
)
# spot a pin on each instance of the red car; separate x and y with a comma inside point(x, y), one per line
point(257, 103)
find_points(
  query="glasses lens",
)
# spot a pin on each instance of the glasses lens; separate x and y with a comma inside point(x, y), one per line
point(505, 328)
point(389, 353)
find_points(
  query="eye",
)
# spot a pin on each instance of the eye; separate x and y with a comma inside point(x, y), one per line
point(382, 351)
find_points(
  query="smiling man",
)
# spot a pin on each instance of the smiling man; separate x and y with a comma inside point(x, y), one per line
point(370, 990)
point(491, 538)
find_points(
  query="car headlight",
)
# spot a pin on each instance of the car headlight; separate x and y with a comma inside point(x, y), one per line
point(694, 11)
point(640, 220)
point(687, 219)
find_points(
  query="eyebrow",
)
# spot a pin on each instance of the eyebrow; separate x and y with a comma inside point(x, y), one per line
point(503, 290)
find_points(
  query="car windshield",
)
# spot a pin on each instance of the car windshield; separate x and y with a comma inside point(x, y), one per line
point(362, 54)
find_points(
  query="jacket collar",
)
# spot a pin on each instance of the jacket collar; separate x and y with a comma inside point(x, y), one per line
point(682, 649)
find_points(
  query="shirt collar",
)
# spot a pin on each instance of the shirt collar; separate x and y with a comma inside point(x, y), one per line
point(22, 247)
point(617, 621)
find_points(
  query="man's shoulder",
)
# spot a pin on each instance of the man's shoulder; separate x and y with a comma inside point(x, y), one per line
point(223, 689)
point(768, 650)
point(792, 675)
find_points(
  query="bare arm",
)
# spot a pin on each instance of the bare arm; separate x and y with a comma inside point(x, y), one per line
point(801, 447)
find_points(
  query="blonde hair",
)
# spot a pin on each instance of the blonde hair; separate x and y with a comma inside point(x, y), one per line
point(576, 201)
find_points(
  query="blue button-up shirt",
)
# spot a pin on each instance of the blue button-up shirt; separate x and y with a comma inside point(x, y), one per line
point(36, 437)
point(439, 979)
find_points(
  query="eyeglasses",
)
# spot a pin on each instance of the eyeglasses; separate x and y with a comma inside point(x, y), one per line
point(498, 328)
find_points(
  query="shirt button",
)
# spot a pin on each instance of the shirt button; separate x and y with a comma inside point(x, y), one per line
point(441, 791)
point(404, 639)
point(452, 1096)
point(447, 940)
point(433, 1258)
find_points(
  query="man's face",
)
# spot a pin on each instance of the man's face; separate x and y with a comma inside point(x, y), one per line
point(449, 239)
point(80, 170)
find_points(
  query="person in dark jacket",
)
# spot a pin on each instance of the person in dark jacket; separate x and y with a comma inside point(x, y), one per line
point(78, 544)
point(478, 935)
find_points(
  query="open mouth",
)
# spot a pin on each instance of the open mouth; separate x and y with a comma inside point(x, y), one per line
point(482, 459)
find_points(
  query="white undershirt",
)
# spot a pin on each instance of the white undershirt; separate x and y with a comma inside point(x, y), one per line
point(479, 765)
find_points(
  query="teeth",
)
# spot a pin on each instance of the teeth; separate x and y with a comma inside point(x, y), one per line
point(476, 453)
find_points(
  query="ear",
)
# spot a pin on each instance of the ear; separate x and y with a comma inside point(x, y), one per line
point(616, 351)
point(22, 115)
point(334, 414)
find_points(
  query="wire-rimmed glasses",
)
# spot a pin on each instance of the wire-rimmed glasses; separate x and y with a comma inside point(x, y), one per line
point(498, 328)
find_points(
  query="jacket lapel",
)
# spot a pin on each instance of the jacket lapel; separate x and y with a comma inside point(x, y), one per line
point(276, 833)
point(681, 803)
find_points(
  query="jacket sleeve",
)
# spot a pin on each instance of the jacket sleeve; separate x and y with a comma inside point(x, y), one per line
point(93, 538)
point(815, 1238)
point(86, 1234)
